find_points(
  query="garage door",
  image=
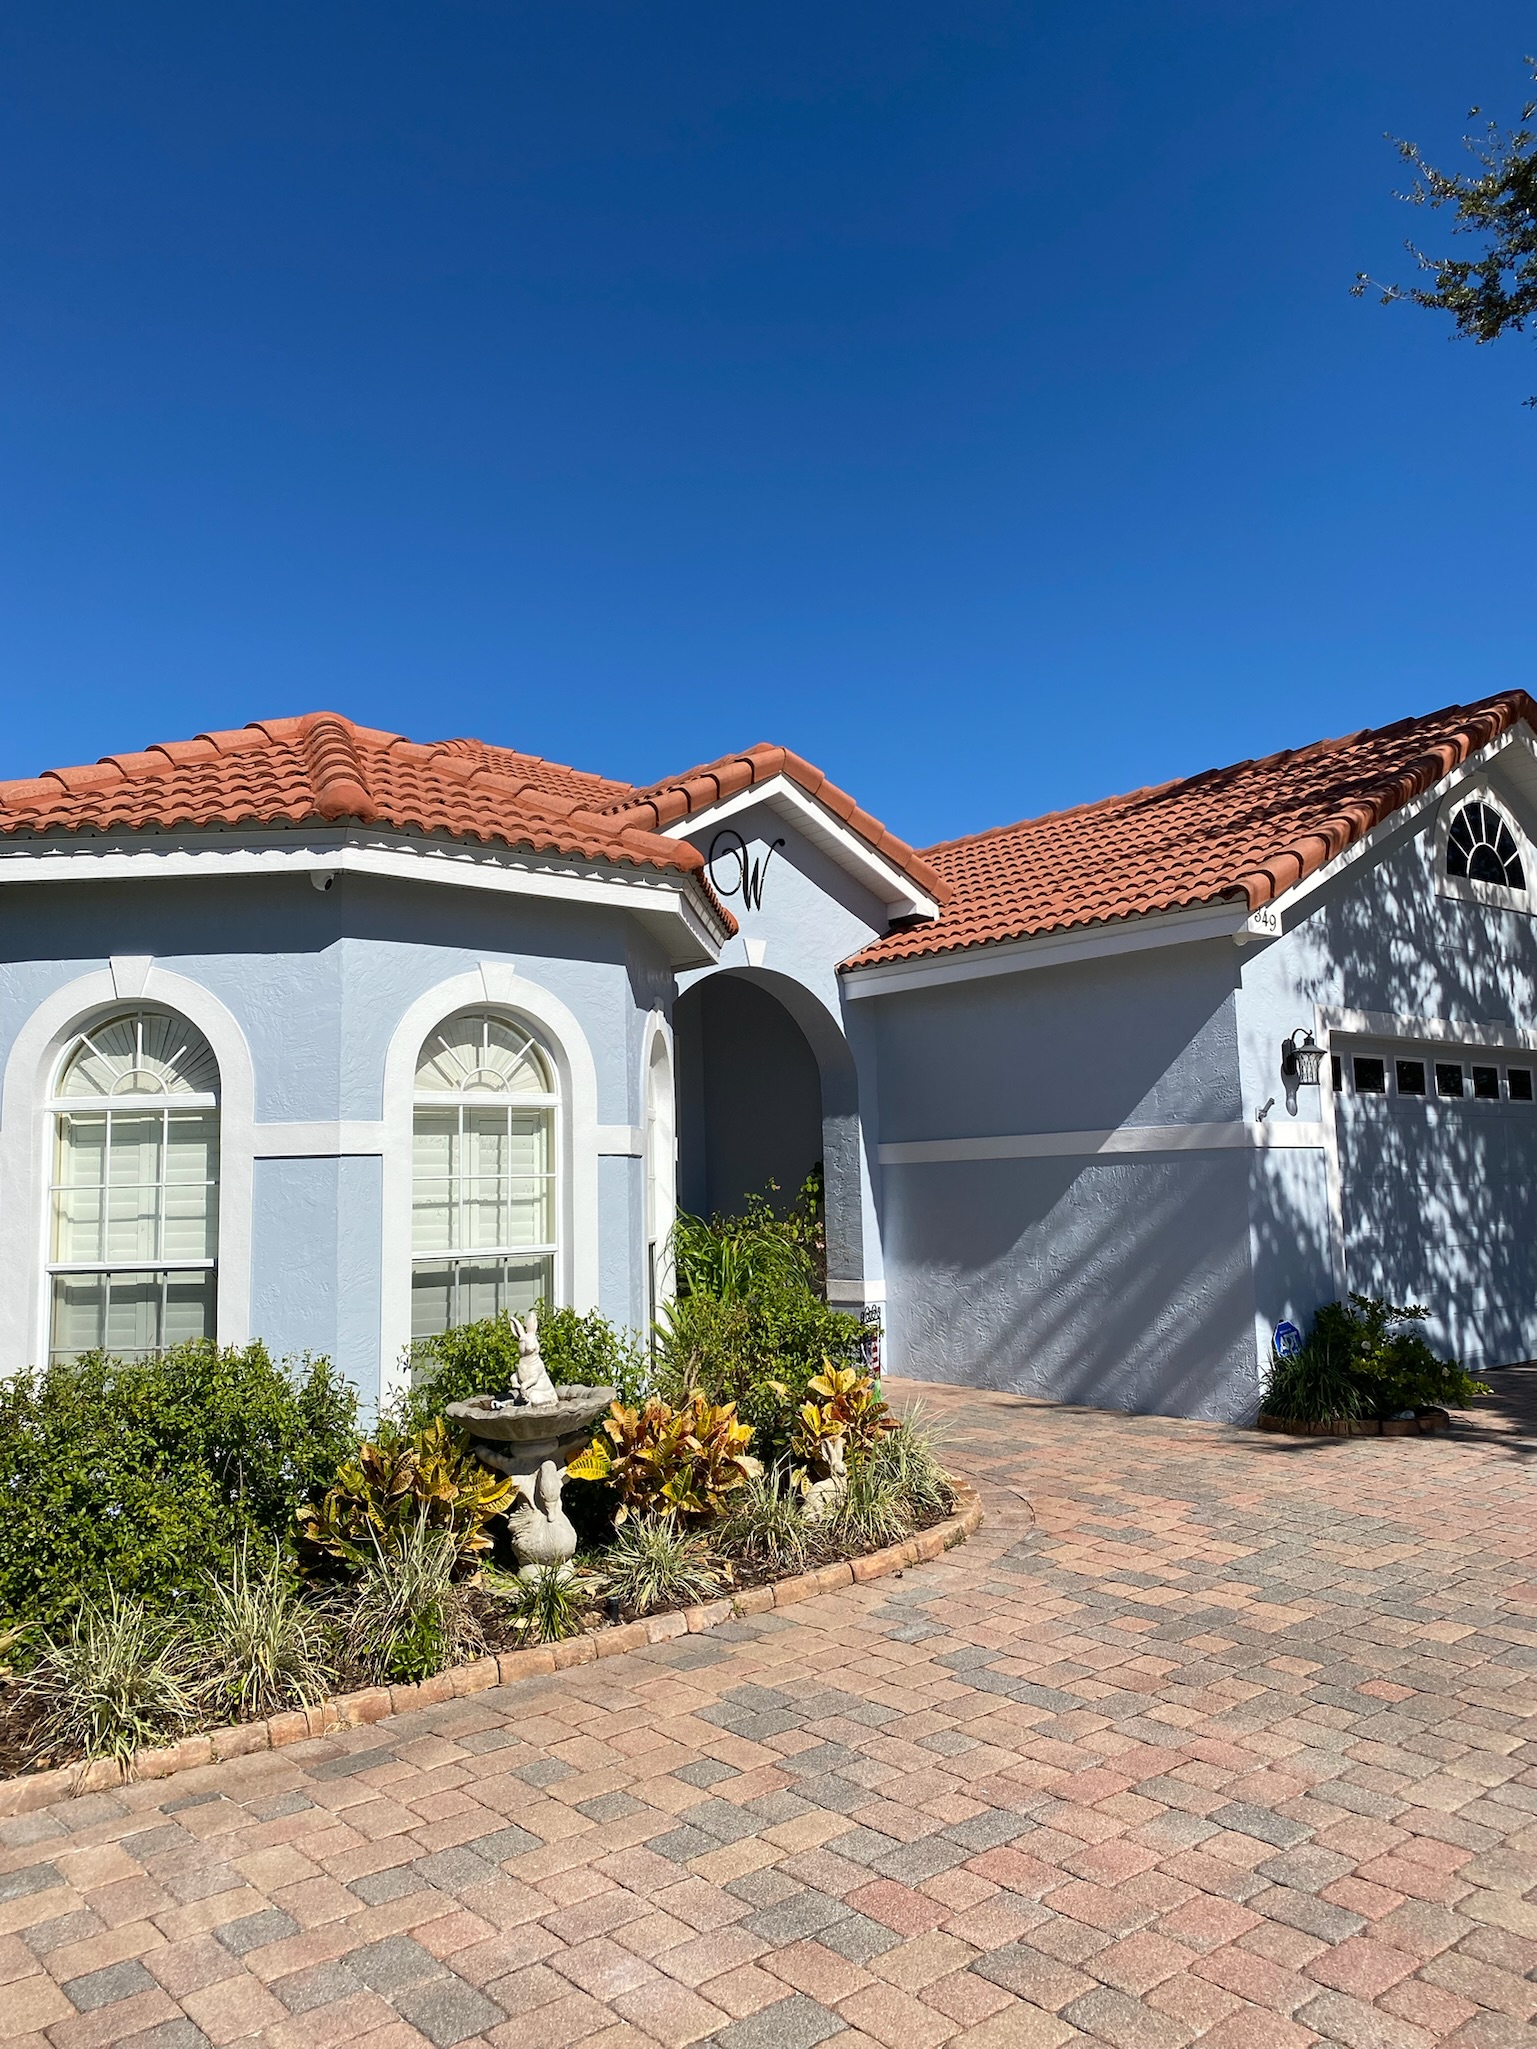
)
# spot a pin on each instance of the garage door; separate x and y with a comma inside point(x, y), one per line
point(1438, 1187)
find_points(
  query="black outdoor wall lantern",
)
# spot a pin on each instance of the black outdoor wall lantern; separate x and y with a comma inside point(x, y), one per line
point(1301, 1059)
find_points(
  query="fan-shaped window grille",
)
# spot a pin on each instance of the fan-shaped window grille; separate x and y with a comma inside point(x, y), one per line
point(1482, 847)
point(484, 1198)
point(134, 1200)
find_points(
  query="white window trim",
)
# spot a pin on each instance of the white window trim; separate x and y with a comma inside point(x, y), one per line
point(457, 1100)
point(26, 1137)
point(1496, 895)
point(659, 1202)
point(494, 986)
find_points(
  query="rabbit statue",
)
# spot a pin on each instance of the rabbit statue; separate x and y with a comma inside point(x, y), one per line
point(533, 1384)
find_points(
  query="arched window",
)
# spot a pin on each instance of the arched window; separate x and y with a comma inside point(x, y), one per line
point(134, 1198)
point(661, 1179)
point(1482, 848)
point(483, 1194)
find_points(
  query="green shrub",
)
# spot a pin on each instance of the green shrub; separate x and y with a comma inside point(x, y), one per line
point(258, 1644)
point(138, 1477)
point(386, 1489)
point(1369, 1358)
point(659, 1460)
point(113, 1678)
point(655, 1563)
point(760, 1352)
point(482, 1358)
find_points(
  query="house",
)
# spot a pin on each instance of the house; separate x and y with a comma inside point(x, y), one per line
point(313, 1033)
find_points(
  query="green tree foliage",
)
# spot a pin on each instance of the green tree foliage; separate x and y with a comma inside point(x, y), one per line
point(1494, 292)
point(139, 1477)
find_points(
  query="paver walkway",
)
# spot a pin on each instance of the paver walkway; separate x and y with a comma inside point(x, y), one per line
point(1206, 1736)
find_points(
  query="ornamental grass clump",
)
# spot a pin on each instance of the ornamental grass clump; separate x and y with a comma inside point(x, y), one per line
point(544, 1606)
point(654, 1563)
point(259, 1644)
point(873, 1510)
point(908, 1455)
point(408, 1615)
point(766, 1524)
point(111, 1681)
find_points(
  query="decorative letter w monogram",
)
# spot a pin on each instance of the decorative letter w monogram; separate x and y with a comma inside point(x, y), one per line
point(744, 873)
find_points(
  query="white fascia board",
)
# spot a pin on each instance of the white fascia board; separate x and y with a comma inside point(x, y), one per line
point(1050, 950)
point(669, 904)
point(1287, 910)
point(1231, 1136)
point(825, 830)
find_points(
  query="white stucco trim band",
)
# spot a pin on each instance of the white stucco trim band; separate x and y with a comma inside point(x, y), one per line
point(674, 904)
point(1049, 950)
point(621, 1141)
point(1233, 1136)
point(887, 883)
point(321, 1140)
point(1451, 1031)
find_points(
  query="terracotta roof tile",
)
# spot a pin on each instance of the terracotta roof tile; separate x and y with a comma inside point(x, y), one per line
point(1245, 833)
point(322, 766)
point(713, 782)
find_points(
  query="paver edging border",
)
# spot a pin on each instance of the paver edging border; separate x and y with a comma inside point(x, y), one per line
point(374, 1703)
point(1429, 1423)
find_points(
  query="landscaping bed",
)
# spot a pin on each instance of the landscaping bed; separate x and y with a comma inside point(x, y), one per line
point(204, 1552)
point(1427, 1423)
point(34, 1788)
point(1365, 1369)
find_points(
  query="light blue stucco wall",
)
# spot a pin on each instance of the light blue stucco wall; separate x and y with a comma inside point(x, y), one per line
point(1431, 1203)
point(813, 915)
point(318, 984)
point(1120, 1282)
point(315, 1260)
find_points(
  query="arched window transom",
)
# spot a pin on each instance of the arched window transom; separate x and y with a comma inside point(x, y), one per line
point(483, 1185)
point(134, 1194)
point(1482, 848)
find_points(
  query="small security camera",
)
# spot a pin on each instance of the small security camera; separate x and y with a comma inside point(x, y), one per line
point(322, 878)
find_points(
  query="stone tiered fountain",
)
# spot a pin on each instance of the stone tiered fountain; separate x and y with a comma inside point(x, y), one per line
point(531, 1434)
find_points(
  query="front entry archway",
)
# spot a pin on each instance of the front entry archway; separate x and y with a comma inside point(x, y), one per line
point(766, 1092)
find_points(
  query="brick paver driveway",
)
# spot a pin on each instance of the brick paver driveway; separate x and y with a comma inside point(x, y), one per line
point(1206, 1736)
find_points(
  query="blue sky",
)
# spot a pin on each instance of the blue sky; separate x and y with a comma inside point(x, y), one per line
point(966, 395)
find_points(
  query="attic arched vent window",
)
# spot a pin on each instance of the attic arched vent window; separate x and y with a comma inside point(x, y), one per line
point(1482, 848)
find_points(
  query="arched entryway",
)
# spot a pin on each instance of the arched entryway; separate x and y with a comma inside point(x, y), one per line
point(767, 1092)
